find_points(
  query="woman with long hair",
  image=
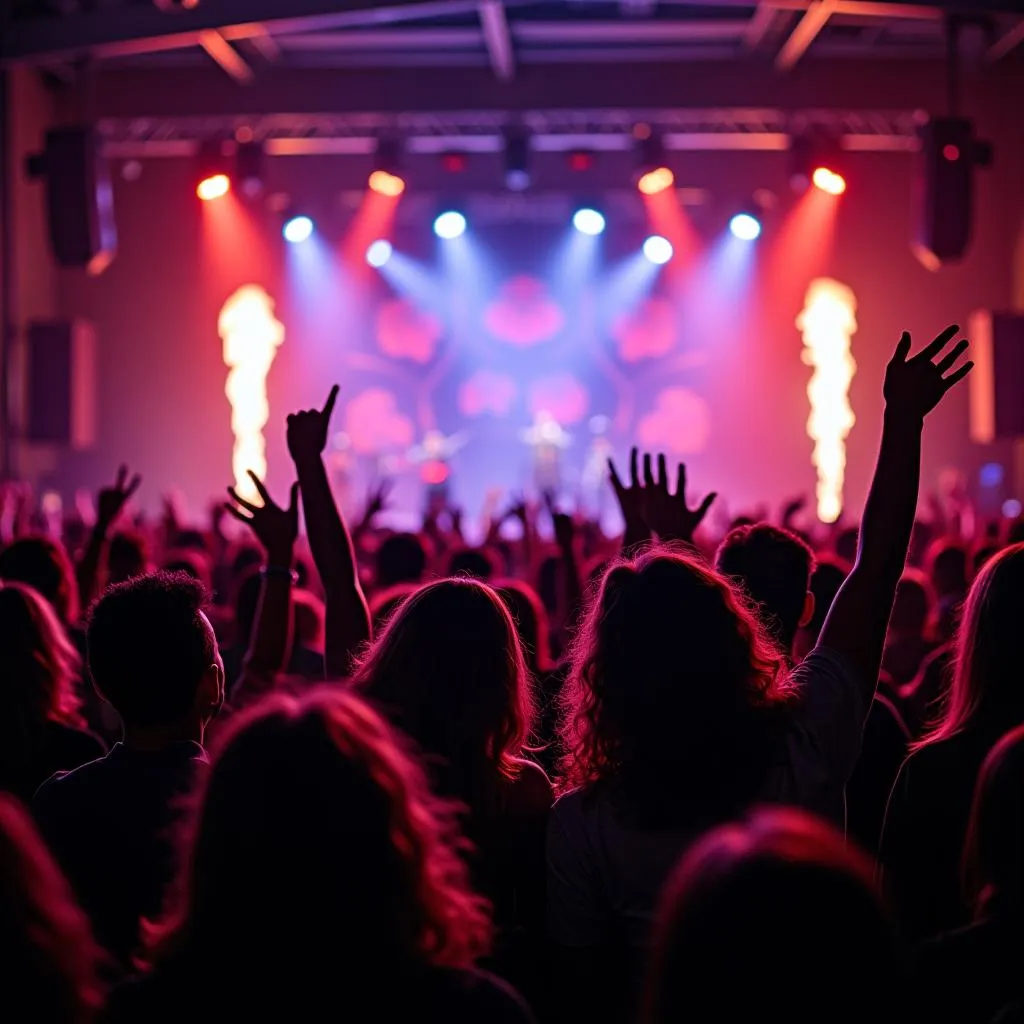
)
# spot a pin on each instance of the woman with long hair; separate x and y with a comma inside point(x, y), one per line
point(40, 727)
point(322, 880)
point(51, 964)
point(779, 880)
point(926, 821)
point(448, 670)
point(680, 713)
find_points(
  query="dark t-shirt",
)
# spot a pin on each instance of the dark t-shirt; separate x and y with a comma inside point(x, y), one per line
point(110, 826)
point(59, 748)
point(450, 996)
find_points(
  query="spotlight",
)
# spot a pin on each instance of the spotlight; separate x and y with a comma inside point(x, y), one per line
point(658, 250)
point(297, 228)
point(378, 253)
point(213, 178)
point(517, 157)
point(249, 168)
point(588, 221)
point(213, 187)
point(745, 226)
point(827, 180)
point(386, 178)
point(653, 173)
point(449, 224)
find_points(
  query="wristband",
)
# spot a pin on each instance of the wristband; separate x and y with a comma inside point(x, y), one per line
point(270, 572)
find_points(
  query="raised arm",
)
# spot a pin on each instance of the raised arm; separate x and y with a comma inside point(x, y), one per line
point(348, 618)
point(276, 529)
point(857, 622)
point(109, 504)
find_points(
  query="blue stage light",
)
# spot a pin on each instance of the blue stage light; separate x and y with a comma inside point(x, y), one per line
point(297, 229)
point(745, 226)
point(588, 221)
point(658, 249)
point(379, 252)
point(449, 224)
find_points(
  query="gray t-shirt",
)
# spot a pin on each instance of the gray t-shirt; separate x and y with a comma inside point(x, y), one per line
point(604, 878)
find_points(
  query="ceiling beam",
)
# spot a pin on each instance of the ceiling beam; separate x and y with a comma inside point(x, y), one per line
point(108, 31)
point(1007, 42)
point(498, 39)
point(265, 45)
point(759, 26)
point(221, 51)
point(804, 33)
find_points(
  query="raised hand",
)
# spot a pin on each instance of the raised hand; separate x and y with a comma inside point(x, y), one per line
point(667, 514)
point(631, 499)
point(274, 527)
point(914, 385)
point(111, 500)
point(564, 527)
point(377, 500)
point(307, 430)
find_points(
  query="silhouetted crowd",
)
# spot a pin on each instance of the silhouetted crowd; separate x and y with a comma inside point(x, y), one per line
point(686, 774)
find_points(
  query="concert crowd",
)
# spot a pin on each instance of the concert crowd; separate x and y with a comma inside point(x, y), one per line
point(252, 771)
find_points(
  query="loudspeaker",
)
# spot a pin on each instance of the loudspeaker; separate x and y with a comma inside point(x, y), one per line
point(997, 382)
point(944, 189)
point(61, 370)
point(79, 200)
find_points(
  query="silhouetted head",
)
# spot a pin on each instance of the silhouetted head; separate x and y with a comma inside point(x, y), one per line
point(476, 563)
point(44, 565)
point(401, 558)
point(994, 850)
point(914, 606)
point(127, 556)
point(191, 561)
point(448, 669)
point(751, 899)
point(318, 848)
point(987, 688)
point(50, 961)
point(774, 567)
point(531, 623)
point(153, 654)
point(947, 566)
point(671, 689)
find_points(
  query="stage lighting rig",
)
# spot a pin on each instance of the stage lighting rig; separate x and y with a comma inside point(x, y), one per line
point(297, 228)
point(214, 177)
point(588, 220)
point(449, 224)
point(386, 177)
point(816, 159)
point(653, 175)
point(517, 161)
point(249, 168)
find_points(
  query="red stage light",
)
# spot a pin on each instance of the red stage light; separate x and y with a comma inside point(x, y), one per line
point(580, 161)
point(951, 152)
point(386, 184)
point(213, 187)
point(658, 180)
point(829, 181)
point(454, 163)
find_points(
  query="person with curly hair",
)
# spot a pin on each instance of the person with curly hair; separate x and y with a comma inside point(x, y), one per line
point(322, 880)
point(679, 711)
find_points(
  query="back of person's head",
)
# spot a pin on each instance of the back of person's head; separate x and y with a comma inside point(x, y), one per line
point(127, 556)
point(752, 899)
point(826, 579)
point(308, 612)
point(914, 606)
point(152, 652)
point(947, 566)
point(50, 961)
point(671, 681)
point(317, 845)
point(987, 689)
point(191, 561)
point(476, 563)
point(531, 623)
point(384, 603)
point(448, 669)
point(994, 849)
point(43, 564)
point(774, 567)
point(400, 558)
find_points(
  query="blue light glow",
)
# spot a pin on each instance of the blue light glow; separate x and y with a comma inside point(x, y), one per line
point(379, 252)
point(658, 250)
point(745, 226)
point(297, 229)
point(449, 224)
point(588, 221)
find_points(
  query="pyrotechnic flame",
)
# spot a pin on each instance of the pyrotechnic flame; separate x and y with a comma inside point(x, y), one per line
point(828, 323)
point(251, 336)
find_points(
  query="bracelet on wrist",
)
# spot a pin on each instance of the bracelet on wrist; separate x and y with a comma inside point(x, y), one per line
point(279, 572)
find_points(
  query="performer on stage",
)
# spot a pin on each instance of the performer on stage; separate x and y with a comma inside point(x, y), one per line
point(433, 455)
point(548, 440)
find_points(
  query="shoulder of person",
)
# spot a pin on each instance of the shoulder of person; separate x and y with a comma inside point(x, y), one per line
point(532, 789)
point(483, 997)
point(62, 783)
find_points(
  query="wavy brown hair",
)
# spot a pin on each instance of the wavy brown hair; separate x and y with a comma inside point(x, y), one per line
point(448, 670)
point(316, 842)
point(673, 690)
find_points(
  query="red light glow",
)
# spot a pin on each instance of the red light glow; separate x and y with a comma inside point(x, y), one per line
point(213, 187)
point(386, 184)
point(658, 180)
point(951, 152)
point(828, 181)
